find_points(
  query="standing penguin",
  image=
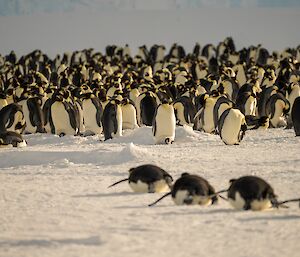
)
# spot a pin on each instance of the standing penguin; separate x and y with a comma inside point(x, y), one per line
point(146, 105)
point(128, 114)
point(33, 115)
point(112, 119)
point(276, 108)
point(295, 114)
point(92, 114)
point(164, 124)
point(185, 110)
point(232, 126)
point(61, 114)
point(12, 118)
point(3, 101)
point(191, 190)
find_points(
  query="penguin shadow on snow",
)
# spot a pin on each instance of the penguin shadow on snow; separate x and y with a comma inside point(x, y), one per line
point(100, 195)
point(271, 217)
point(89, 241)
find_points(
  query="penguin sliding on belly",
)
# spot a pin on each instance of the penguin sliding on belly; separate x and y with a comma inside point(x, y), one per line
point(164, 124)
point(253, 193)
point(191, 190)
point(148, 178)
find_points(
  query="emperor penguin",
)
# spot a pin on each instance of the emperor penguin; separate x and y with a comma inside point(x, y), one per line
point(61, 114)
point(11, 138)
point(146, 105)
point(293, 91)
point(222, 104)
point(164, 124)
point(112, 119)
point(148, 178)
point(206, 114)
point(251, 193)
point(128, 114)
point(276, 108)
point(3, 101)
point(232, 126)
point(92, 114)
point(12, 118)
point(184, 110)
point(295, 115)
point(32, 110)
point(191, 189)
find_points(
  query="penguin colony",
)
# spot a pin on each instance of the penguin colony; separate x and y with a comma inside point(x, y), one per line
point(244, 193)
point(214, 89)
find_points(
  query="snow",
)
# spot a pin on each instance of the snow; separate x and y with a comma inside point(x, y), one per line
point(54, 198)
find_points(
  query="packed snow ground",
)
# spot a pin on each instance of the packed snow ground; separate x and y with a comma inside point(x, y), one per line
point(54, 199)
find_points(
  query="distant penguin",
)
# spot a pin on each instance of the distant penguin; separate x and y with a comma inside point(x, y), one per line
point(129, 120)
point(232, 126)
point(12, 118)
point(254, 122)
point(206, 116)
point(61, 115)
point(33, 115)
point(11, 138)
point(251, 193)
point(112, 120)
point(146, 106)
point(92, 114)
point(3, 101)
point(240, 74)
point(295, 115)
point(263, 98)
point(293, 91)
point(164, 124)
point(222, 104)
point(148, 178)
point(246, 102)
point(191, 190)
point(184, 110)
point(276, 108)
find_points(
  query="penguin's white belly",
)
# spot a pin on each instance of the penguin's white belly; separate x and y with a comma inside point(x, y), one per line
point(129, 117)
point(278, 120)
point(250, 106)
point(81, 122)
point(231, 128)
point(256, 205)
point(90, 117)
point(3, 103)
point(180, 114)
point(165, 125)
point(182, 195)
point(208, 125)
point(61, 120)
point(139, 187)
point(119, 121)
